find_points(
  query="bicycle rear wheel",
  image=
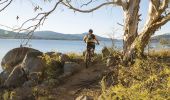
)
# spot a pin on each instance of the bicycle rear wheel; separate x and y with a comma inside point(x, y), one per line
point(88, 59)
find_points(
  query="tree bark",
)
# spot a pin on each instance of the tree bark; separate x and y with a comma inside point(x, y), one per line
point(131, 19)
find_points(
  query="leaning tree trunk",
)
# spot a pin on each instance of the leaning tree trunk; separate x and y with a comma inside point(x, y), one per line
point(156, 19)
point(131, 19)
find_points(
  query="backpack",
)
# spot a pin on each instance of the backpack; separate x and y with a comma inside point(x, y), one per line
point(90, 37)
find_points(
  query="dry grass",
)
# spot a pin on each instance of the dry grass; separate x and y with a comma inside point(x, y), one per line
point(160, 53)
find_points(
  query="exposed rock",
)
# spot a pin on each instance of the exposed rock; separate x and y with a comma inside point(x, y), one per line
point(33, 65)
point(84, 98)
point(22, 93)
point(14, 57)
point(105, 52)
point(71, 67)
point(16, 78)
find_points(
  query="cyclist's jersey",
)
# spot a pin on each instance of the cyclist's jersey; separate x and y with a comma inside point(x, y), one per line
point(90, 38)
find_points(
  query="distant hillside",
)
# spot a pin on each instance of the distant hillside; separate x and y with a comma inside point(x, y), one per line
point(11, 35)
point(163, 36)
point(49, 35)
point(60, 36)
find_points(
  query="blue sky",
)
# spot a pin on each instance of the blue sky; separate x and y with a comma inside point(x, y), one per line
point(103, 21)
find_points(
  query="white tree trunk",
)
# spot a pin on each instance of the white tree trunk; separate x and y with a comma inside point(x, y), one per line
point(154, 22)
point(131, 18)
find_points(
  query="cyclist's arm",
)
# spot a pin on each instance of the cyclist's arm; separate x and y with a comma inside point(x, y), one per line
point(97, 40)
point(84, 39)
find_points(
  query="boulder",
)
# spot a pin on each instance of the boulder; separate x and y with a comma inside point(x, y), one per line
point(71, 67)
point(3, 76)
point(33, 65)
point(16, 78)
point(105, 52)
point(14, 57)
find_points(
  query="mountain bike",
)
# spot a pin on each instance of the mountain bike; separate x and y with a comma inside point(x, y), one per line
point(88, 56)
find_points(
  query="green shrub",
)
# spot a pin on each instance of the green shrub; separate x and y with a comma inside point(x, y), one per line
point(145, 80)
point(74, 55)
point(52, 64)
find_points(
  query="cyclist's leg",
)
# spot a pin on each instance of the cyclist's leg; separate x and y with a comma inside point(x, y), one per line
point(87, 55)
point(87, 51)
point(93, 49)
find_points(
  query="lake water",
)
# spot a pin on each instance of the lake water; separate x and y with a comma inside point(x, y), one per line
point(64, 46)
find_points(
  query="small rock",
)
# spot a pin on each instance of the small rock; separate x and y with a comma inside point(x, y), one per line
point(84, 98)
point(71, 67)
point(105, 52)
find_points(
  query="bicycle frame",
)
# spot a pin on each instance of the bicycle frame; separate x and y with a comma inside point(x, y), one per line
point(88, 56)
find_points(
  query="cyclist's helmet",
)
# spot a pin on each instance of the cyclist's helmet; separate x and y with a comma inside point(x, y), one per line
point(90, 31)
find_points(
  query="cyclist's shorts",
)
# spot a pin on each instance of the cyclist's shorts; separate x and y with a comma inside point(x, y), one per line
point(90, 45)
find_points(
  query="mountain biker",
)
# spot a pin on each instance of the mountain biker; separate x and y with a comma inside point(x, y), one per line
point(90, 39)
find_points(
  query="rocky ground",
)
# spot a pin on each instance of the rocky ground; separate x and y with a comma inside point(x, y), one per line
point(29, 74)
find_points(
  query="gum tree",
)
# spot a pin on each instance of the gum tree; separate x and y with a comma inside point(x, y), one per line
point(134, 41)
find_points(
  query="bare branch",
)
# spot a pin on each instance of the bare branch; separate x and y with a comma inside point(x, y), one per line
point(124, 4)
point(120, 24)
point(87, 3)
point(162, 21)
point(41, 17)
point(3, 2)
point(164, 5)
point(67, 4)
point(155, 4)
point(6, 5)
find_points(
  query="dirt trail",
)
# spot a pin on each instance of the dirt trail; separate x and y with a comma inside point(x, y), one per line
point(84, 79)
